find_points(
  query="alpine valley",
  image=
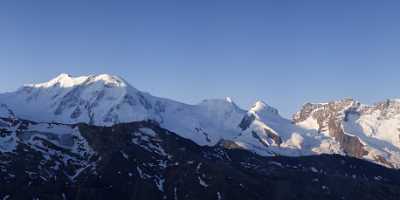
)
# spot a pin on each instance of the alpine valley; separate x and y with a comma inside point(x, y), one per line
point(98, 137)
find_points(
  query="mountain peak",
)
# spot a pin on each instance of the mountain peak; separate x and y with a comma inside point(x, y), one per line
point(229, 99)
point(261, 107)
point(108, 79)
point(259, 104)
point(63, 76)
point(64, 80)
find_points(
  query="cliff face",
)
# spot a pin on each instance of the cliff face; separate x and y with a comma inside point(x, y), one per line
point(354, 125)
point(335, 113)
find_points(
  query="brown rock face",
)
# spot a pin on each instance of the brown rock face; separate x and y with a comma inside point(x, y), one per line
point(388, 108)
point(228, 144)
point(248, 119)
point(305, 112)
point(274, 137)
point(329, 118)
point(351, 145)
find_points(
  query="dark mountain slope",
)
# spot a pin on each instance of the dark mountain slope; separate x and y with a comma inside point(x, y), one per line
point(143, 161)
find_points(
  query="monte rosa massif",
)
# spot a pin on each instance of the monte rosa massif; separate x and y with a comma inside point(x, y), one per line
point(344, 127)
point(83, 129)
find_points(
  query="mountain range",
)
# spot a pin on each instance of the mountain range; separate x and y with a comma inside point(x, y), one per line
point(76, 130)
point(344, 127)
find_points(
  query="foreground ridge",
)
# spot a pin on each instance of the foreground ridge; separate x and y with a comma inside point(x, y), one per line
point(141, 160)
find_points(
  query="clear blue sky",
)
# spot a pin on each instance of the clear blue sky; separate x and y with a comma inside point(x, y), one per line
point(283, 52)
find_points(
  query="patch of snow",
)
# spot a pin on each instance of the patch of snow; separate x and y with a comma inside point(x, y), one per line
point(175, 194)
point(275, 163)
point(141, 173)
point(160, 184)
point(202, 183)
point(148, 132)
point(313, 169)
point(125, 155)
point(219, 196)
point(309, 123)
point(198, 167)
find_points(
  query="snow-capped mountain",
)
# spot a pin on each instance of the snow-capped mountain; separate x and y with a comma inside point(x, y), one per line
point(341, 127)
point(363, 131)
point(106, 100)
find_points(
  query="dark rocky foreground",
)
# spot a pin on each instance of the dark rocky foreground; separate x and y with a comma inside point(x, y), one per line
point(140, 160)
